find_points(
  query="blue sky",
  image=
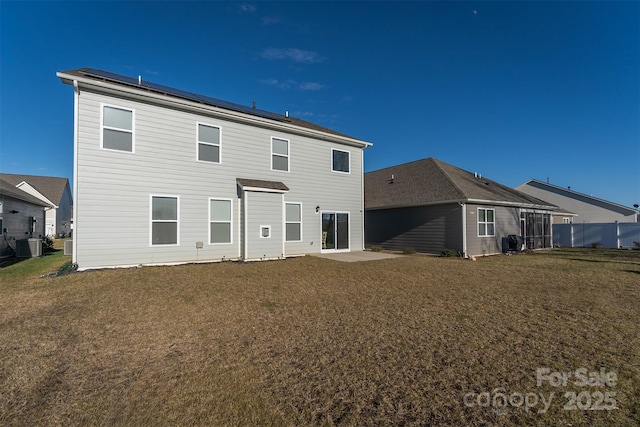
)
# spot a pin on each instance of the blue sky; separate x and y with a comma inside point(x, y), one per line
point(510, 89)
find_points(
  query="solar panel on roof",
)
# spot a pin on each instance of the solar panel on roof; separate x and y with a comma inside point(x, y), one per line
point(181, 93)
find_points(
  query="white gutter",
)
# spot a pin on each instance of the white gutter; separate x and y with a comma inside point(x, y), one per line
point(473, 201)
point(222, 113)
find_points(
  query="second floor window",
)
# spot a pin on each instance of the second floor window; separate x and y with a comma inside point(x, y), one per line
point(340, 161)
point(279, 154)
point(208, 143)
point(117, 128)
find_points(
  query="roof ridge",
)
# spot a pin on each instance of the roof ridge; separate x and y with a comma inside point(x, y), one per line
point(568, 190)
point(437, 162)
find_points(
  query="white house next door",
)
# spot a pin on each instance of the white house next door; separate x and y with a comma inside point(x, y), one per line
point(335, 231)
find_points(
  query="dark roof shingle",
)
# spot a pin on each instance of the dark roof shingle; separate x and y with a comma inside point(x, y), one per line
point(50, 187)
point(9, 190)
point(431, 181)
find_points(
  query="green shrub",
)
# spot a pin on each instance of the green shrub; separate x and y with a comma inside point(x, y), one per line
point(376, 248)
point(408, 251)
point(47, 244)
point(449, 253)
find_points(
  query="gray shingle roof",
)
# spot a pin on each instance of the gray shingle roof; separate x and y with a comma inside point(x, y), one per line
point(431, 181)
point(566, 192)
point(9, 190)
point(50, 187)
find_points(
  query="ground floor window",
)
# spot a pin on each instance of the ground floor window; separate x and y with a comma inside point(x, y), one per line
point(293, 222)
point(220, 221)
point(164, 220)
point(486, 222)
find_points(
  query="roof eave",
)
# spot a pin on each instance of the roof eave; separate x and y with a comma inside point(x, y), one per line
point(465, 201)
point(577, 193)
point(222, 112)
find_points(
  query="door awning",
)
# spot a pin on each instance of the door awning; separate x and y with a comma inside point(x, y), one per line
point(263, 186)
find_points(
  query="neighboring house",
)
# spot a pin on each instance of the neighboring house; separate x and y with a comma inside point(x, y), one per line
point(563, 216)
point(21, 216)
point(588, 209)
point(430, 205)
point(164, 176)
point(53, 191)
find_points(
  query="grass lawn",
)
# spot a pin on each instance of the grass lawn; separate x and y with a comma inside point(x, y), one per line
point(307, 341)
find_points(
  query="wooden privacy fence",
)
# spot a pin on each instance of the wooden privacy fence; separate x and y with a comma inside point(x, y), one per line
point(607, 235)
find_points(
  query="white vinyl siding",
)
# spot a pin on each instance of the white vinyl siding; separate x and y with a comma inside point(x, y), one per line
point(486, 222)
point(280, 154)
point(340, 161)
point(164, 220)
point(220, 221)
point(209, 143)
point(117, 128)
point(116, 187)
point(293, 222)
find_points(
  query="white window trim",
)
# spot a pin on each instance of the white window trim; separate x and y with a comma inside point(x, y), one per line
point(268, 227)
point(151, 221)
point(486, 222)
point(331, 161)
point(132, 131)
point(209, 222)
point(292, 222)
point(288, 156)
point(219, 144)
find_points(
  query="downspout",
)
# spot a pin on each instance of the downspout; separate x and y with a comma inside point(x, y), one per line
point(245, 194)
point(464, 229)
point(76, 110)
point(362, 193)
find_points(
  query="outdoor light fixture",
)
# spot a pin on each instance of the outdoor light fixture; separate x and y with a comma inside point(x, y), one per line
point(317, 209)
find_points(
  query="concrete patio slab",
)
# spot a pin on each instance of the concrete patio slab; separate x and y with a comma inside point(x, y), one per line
point(358, 256)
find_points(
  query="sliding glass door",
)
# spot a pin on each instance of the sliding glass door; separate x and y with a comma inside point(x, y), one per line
point(335, 231)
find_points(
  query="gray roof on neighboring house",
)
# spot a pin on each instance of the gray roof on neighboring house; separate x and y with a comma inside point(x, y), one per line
point(564, 212)
point(567, 192)
point(9, 190)
point(432, 181)
point(50, 187)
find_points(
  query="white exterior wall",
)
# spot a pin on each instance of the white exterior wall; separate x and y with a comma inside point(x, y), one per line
point(112, 212)
point(264, 210)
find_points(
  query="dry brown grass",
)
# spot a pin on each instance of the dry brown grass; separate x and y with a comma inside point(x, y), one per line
point(309, 341)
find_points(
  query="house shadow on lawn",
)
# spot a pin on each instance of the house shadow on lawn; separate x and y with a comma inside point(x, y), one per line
point(15, 260)
point(619, 256)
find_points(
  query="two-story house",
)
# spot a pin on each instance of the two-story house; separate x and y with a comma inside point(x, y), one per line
point(164, 176)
